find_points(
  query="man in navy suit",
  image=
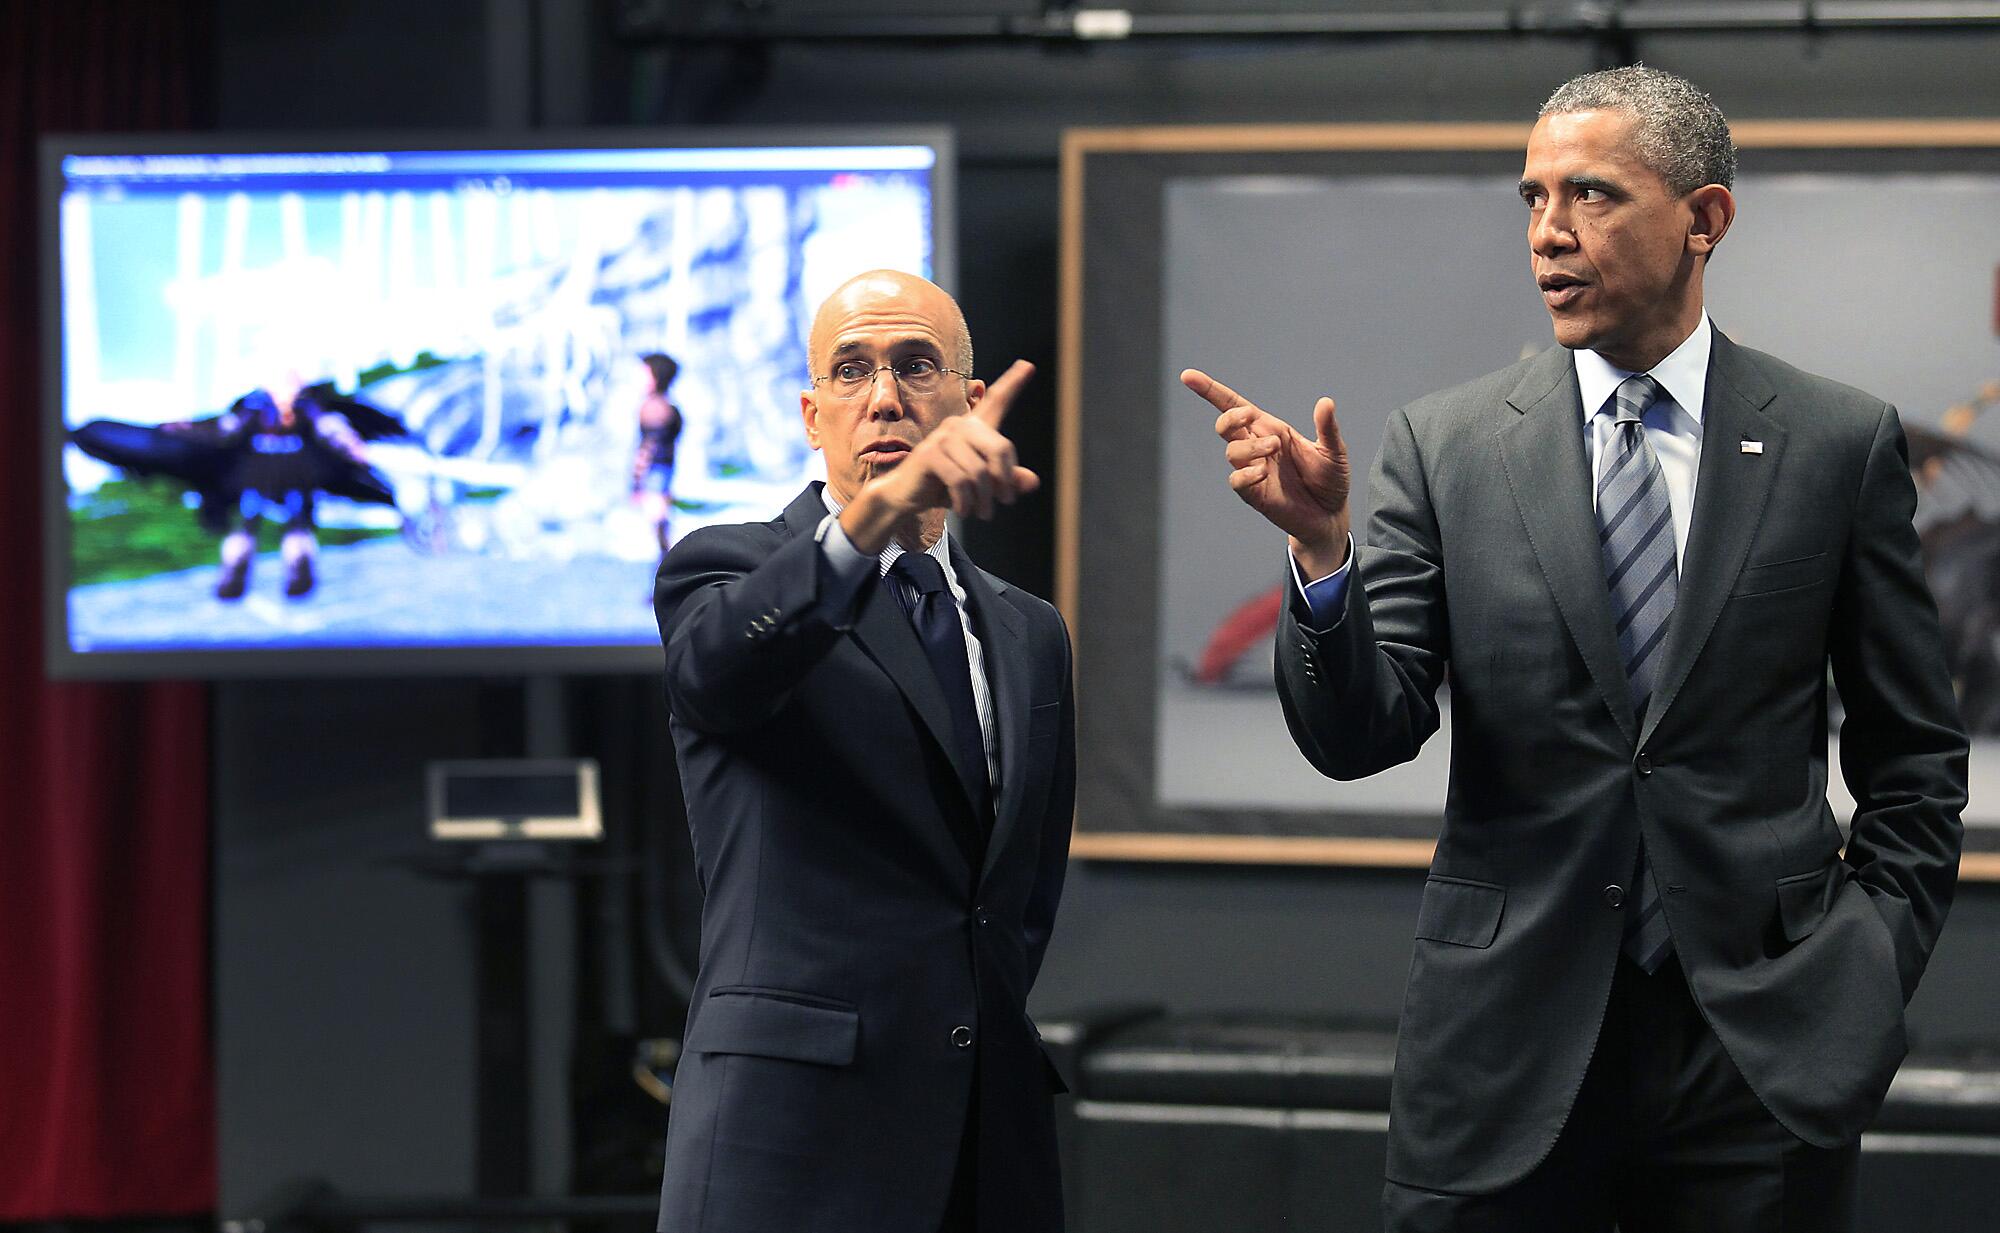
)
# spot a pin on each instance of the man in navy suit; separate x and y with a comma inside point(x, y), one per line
point(1653, 984)
point(876, 739)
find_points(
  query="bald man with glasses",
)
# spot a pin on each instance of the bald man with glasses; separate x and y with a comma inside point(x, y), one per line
point(876, 741)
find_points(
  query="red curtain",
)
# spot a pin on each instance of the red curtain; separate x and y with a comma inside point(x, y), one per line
point(107, 1103)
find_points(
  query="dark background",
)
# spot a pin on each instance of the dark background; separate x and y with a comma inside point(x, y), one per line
point(344, 980)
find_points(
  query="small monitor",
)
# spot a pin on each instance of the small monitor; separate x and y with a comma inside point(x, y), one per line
point(496, 798)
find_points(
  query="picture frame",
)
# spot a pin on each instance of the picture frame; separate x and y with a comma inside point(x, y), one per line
point(1372, 262)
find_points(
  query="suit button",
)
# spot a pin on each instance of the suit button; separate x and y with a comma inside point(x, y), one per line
point(1614, 896)
point(1645, 764)
point(962, 1036)
point(984, 917)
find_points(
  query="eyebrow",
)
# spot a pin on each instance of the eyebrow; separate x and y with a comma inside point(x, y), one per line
point(1529, 186)
point(908, 343)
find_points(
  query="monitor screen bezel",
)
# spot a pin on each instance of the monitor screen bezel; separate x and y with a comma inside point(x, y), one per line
point(62, 661)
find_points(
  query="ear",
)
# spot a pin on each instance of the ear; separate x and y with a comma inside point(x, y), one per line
point(975, 390)
point(1713, 208)
point(809, 411)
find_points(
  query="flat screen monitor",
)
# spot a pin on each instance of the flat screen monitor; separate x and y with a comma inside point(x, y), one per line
point(394, 406)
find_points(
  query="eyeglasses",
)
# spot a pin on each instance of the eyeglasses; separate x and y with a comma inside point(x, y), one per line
point(918, 375)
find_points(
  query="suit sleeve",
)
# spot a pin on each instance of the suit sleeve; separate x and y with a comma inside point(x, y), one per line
point(1361, 695)
point(744, 614)
point(1902, 746)
point(1057, 822)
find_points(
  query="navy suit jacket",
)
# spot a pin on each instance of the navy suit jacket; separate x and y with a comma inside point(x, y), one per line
point(868, 943)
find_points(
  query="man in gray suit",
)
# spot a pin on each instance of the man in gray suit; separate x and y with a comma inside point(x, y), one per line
point(1650, 986)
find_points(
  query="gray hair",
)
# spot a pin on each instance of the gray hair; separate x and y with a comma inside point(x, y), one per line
point(1677, 130)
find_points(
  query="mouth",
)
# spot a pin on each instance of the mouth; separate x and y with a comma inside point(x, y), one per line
point(884, 453)
point(1560, 291)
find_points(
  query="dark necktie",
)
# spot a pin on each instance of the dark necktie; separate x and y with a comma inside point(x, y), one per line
point(935, 615)
point(1636, 530)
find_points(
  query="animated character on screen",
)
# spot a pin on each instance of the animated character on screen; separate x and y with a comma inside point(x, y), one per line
point(653, 461)
point(267, 456)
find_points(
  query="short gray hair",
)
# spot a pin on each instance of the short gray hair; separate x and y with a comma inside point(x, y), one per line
point(1678, 131)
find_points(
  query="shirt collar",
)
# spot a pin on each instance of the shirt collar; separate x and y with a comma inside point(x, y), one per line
point(941, 550)
point(1683, 374)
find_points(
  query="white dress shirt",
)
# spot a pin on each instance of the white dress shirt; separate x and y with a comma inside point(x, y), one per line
point(850, 566)
point(1672, 425)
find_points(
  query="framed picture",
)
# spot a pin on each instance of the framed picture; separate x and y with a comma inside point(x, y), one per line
point(1375, 264)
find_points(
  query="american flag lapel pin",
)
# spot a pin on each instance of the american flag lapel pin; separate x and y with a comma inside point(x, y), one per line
point(1753, 447)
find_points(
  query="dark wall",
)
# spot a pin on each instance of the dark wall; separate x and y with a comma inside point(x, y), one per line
point(1204, 937)
point(345, 1000)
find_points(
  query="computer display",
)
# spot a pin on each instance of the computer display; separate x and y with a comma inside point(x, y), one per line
point(438, 409)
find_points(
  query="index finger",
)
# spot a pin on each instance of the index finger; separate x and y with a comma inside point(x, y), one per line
point(1219, 396)
point(992, 408)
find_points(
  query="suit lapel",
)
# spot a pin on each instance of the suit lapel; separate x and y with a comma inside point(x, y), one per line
point(1549, 475)
point(1002, 635)
point(886, 635)
point(1730, 495)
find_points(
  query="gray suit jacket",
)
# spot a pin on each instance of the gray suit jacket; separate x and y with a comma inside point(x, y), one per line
point(1483, 557)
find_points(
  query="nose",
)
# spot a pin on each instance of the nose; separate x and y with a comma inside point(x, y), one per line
point(885, 395)
point(1549, 231)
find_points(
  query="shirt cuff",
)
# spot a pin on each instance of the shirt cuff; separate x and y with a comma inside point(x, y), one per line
point(1326, 598)
point(843, 568)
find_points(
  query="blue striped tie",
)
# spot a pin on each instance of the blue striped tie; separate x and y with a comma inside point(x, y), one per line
point(1636, 529)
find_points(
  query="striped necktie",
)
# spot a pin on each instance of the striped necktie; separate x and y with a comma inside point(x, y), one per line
point(1636, 530)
